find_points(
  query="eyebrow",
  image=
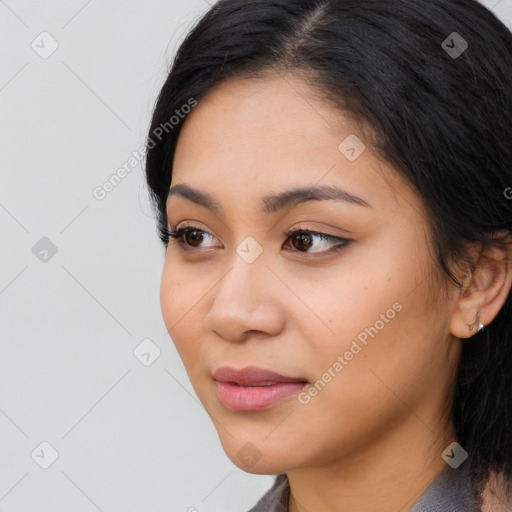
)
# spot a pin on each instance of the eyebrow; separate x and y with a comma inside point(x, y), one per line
point(273, 203)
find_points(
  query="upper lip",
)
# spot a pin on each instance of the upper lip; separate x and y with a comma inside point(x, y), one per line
point(251, 375)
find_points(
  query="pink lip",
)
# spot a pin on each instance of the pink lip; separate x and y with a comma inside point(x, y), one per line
point(254, 388)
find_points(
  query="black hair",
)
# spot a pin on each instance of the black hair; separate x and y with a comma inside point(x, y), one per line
point(433, 80)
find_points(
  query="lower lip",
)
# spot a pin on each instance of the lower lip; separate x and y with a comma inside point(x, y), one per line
point(255, 398)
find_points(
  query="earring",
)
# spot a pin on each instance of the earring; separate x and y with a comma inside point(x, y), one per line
point(480, 324)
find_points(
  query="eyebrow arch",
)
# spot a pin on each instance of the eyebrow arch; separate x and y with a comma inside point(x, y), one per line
point(274, 203)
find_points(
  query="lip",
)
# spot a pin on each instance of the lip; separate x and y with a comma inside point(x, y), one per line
point(251, 376)
point(253, 388)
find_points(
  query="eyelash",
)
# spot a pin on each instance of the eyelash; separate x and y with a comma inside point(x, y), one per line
point(179, 234)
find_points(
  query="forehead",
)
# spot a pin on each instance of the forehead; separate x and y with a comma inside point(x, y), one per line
point(240, 116)
point(252, 137)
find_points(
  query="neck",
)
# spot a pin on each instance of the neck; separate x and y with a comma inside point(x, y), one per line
point(389, 474)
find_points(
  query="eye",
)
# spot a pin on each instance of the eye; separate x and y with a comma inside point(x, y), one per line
point(191, 237)
point(304, 239)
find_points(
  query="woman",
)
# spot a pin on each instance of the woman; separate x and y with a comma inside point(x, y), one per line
point(332, 180)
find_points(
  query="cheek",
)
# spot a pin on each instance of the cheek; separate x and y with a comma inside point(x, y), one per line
point(368, 324)
point(182, 300)
point(342, 306)
point(171, 288)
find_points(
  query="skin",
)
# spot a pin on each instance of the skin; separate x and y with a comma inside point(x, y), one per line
point(372, 438)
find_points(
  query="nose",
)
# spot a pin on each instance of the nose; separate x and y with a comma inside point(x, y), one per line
point(246, 302)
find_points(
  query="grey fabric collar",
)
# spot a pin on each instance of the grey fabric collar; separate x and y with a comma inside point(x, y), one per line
point(450, 492)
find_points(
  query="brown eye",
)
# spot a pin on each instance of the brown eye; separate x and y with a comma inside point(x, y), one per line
point(313, 242)
point(302, 241)
point(193, 238)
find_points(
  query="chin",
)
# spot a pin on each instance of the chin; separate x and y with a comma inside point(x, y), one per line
point(261, 467)
point(257, 458)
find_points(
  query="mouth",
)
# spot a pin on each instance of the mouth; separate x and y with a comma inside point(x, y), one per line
point(253, 388)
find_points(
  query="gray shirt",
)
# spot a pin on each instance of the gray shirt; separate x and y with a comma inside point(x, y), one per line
point(451, 491)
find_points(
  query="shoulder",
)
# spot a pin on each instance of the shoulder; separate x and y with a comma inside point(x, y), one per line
point(453, 490)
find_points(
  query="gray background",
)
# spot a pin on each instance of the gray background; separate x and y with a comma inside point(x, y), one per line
point(129, 431)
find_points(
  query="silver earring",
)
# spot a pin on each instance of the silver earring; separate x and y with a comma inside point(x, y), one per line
point(480, 324)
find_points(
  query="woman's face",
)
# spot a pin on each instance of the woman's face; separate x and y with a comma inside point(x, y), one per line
point(354, 318)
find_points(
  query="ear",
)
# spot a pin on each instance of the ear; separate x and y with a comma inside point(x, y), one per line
point(485, 290)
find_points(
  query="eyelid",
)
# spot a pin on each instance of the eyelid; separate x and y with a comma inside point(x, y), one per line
point(317, 231)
